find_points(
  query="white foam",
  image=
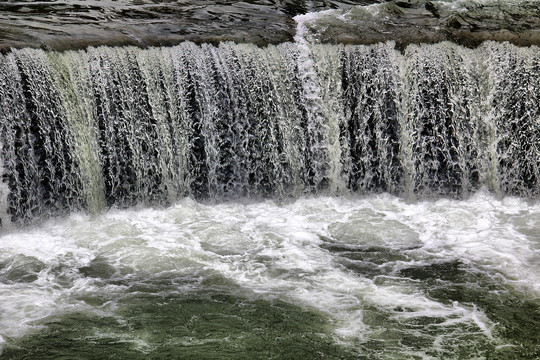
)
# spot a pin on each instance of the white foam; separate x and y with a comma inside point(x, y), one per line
point(302, 33)
point(275, 251)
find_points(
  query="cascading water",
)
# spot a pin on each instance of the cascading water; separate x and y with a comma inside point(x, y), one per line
point(312, 201)
point(121, 126)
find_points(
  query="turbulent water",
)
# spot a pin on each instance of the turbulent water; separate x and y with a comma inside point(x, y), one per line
point(351, 278)
point(125, 126)
point(287, 202)
point(466, 22)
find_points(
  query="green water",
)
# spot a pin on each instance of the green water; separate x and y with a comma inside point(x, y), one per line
point(203, 325)
point(375, 279)
point(216, 324)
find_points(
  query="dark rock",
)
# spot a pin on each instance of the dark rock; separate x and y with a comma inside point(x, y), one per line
point(466, 23)
point(76, 25)
point(70, 25)
point(432, 9)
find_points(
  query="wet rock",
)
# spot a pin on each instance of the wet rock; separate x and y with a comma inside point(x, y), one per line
point(75, 25)
point(72, 25)
point(467, 23)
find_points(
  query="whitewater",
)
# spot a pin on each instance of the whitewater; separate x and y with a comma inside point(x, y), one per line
point(292, 201)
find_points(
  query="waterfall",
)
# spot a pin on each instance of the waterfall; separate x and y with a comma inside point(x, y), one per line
point(86, 130)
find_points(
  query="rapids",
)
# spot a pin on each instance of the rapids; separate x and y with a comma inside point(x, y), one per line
point(371, 277)
point(301, 200)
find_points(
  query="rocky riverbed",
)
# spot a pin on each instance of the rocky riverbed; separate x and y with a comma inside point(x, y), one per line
point(75, 24)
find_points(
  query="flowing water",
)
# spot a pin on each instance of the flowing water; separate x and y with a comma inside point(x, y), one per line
point(356, 278)
point(74, 24)
point(124, 126)
point(77, 24)
point(294, 201)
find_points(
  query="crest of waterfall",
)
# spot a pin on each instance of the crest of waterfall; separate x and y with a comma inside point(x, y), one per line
point(85, 130)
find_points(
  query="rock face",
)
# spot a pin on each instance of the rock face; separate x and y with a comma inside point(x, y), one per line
point(75, 24)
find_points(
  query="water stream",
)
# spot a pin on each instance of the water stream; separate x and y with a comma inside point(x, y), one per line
point(292, 201)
